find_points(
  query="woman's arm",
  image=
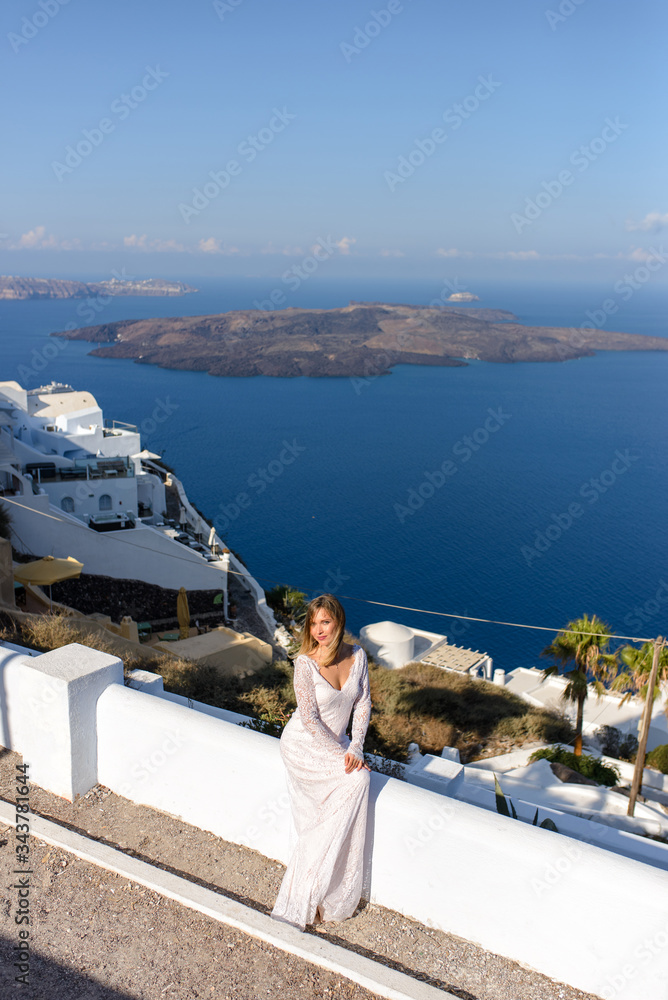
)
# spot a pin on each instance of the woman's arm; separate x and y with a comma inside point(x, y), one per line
point(361, 712)
point(308, 708)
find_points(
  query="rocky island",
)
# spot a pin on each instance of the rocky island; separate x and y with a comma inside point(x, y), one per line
point(55, 288)
point(359, 340)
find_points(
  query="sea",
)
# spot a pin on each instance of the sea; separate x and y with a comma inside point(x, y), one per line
point(446, 499)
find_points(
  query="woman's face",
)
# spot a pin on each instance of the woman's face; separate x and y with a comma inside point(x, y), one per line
point(323, 627)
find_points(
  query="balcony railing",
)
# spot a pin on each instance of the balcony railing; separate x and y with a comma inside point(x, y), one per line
point(93, 468)
point(112, 425)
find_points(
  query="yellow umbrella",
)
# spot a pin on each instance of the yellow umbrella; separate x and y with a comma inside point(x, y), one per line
point(183, 614)
point(47, 571)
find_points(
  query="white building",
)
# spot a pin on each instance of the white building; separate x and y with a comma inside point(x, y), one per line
point(77, 485)
point(604, 710)
point(395, 645)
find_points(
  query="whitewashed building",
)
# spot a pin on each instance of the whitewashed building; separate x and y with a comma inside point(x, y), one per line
point(78, 485)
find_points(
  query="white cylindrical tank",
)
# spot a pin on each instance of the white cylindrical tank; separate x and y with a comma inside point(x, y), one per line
point(390, 643)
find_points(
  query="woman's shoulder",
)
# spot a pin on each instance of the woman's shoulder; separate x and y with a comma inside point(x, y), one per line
point(357, 652)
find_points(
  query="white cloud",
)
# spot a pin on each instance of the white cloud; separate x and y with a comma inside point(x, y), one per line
point(345, 243)
point(142, 242)
point(634, 254)
point(212, 245)
point(138, 242)
point(392, 253)
point(653, 222)
point(513, 255)
point(33, 237)
point(73, 244)
point(453, 253)
point(37, 239)
point(167, 246)
point(640, 255)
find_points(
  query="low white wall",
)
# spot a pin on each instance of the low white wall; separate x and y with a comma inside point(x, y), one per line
point(145, 680)
point(519, 891)
point(141, 553)
point(509, 761)
point(512, 888)
point(220, 776)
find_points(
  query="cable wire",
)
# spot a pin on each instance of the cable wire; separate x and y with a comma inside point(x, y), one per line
point(383, 604)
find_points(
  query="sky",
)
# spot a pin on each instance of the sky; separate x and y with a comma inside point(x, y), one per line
point(404, 138)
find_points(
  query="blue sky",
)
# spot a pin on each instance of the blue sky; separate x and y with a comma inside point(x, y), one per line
point(413, 136)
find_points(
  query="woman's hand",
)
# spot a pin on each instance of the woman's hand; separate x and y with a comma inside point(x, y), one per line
point(354, 764)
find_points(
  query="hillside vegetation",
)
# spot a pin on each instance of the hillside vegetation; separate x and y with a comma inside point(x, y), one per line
point(417, 704)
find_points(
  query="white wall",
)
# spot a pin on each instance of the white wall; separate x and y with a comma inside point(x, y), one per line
point(570, 910)
point(509, 887)
point(144, 556)
point(508, 761)
point(151, 491)
point(86, 495)
point(605, 710)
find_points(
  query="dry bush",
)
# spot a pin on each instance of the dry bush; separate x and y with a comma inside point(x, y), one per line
point(46, 632)
point(267, 692)
point(389, 735)
point(267, 703)
point(436, 708)
point(536, 724)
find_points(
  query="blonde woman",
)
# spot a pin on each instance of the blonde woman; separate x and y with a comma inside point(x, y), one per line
point(327, 778)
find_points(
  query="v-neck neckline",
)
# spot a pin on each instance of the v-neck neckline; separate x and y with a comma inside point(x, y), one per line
point(352, 665)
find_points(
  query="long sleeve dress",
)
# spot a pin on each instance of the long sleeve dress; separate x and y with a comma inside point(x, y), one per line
point(328, 806)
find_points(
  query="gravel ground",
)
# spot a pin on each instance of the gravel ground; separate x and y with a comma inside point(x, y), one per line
point(96, 935)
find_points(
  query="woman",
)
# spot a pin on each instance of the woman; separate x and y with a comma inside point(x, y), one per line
point(327, 778)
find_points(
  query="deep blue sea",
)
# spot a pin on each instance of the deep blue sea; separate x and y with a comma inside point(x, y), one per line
point(528, 493)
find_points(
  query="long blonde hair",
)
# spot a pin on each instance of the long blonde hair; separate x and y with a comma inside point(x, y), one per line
point(332, 606)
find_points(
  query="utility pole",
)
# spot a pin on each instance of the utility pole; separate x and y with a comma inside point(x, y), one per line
point(636, 784)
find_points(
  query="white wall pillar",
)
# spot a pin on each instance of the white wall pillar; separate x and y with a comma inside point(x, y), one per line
point(50, 714)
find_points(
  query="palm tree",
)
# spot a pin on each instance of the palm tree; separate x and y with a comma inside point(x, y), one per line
point(638, 663)
point(583, 642)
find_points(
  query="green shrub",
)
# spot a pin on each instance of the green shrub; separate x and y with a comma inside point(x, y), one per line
point(586, 765)
point(287, 600)
point(658, 758)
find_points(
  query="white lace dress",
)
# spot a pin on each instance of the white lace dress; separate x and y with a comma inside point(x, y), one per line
point(328, 806)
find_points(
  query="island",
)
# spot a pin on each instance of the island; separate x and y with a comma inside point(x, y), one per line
point(360, 340)
point(54, 288)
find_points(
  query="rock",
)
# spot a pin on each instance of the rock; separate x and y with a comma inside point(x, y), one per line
point(569, 776)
